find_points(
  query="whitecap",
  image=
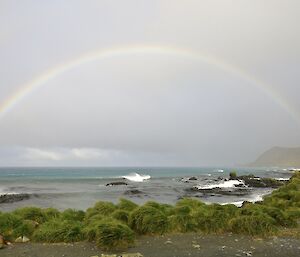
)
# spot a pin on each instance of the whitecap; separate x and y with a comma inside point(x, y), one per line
point(136, 177)
point(224, 184)
point(282, 179)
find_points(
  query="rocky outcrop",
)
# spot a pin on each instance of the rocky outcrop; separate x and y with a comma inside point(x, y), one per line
point(117, 183)
point(219, 191)
point(11, 198)
point(189, 179)
point(253, 181)
point(134, 192)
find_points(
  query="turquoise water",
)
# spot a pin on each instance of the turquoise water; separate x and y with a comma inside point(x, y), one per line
point(112, 172)
point(80, 188)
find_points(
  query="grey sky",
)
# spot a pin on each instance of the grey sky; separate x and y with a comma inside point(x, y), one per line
point(148, 109)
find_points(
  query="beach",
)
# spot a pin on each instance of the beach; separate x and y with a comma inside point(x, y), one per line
point(184, 245)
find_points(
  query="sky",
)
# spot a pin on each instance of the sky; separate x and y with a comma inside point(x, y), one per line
point(222, 88)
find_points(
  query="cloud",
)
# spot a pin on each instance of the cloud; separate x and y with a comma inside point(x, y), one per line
point(89, 153)
point(62, 154)
point(40, 154)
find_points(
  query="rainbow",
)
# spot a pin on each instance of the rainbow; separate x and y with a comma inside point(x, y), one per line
point(40, 80)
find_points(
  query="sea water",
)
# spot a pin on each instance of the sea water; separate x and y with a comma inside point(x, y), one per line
point(81, 187)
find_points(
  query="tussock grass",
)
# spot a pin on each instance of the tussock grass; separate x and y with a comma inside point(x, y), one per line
point(148, 220)
point(31, 213)
point(260, 224)
point(121, 215)
point(58, 230)
point(126, 205)
point(113, 235)
point(9, 222)
point(73, 215)
point(101, 207)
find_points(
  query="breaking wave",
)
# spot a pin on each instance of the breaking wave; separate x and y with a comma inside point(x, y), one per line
point(224, 184)
point(136, 177)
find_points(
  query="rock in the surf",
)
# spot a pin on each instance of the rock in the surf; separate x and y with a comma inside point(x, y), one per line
point(254, 181)
point(11, 198)
point(117, 183)
point(133, 192)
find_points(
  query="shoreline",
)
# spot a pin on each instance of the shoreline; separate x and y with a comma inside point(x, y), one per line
point(124, 225)
point(178, 245)
point(83, 194)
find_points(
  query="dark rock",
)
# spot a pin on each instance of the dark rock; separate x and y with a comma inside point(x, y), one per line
point(253, 181)
point(222, 191)
point(118, 183)
point(133, 192)
point(10, 198)
point(218, 191)
point(193, 178)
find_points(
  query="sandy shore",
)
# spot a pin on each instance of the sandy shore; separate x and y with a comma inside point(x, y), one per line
point(169, 246)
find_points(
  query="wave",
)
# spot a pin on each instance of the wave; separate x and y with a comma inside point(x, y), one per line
point(136, 177)
point(8, 193)
point(282, 179)
point(224, 184)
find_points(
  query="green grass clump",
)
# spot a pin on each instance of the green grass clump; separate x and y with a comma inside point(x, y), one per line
point(57, 230)
point(254, 225)
point(193, 203)
point(126, 205)
point(121, 215)
point(148, 220)
point(9, 222)
point(101, 207)
point(51, 213)
point(214, 218)
point(31, 213)
point(27, 228)
point(232, 175)
point(113, 235)
point(73, 215)
point(182, 220)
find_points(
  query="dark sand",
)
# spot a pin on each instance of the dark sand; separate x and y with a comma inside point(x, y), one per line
point(169, 246)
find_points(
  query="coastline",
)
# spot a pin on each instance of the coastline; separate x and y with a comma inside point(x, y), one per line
point(81, 188)
point(188, 227)
point(181, 245)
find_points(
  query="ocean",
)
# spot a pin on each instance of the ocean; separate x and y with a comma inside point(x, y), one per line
point(80, 188)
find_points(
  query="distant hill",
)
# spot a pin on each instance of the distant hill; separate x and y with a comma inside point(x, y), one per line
point(279, 157)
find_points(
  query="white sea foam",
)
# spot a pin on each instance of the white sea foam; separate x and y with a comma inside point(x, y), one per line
point(282, 179)
point(252, 198)
point(8, 193)
point(4, 191)
point(223, 184)
point(221, 171)
point(137, 177)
